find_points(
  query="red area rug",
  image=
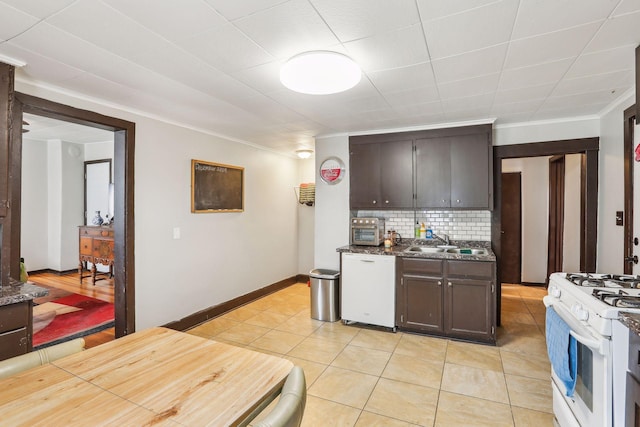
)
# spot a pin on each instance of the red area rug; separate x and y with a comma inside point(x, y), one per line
point(71, 317)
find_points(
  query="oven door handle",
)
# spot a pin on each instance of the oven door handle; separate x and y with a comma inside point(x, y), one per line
point(579, 332)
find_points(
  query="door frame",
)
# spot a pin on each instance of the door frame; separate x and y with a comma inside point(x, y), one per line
point(629, 119)
point(123, 225)
point(588, 146)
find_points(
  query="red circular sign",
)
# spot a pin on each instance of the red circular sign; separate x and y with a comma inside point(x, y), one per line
point(332, 170)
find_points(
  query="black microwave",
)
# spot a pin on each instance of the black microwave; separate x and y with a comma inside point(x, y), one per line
point(367, 231)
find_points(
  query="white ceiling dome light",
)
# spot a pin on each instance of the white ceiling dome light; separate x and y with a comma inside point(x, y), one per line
point(304, 154)
point(320, 73)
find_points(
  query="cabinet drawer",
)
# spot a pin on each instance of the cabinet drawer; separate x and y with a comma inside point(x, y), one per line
point(102, 248)
point(14, 343)
point(96, 231)
point(14, 316)
point(422, 267)
point(85, 245)
point(470, 269)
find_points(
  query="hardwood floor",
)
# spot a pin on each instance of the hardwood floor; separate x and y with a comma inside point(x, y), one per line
point(60, 285)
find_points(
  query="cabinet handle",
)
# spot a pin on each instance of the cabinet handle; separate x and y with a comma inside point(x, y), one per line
point(439, 283)
point(450, 284)
point(386, 201)
point(458, 201)
point(374, 202)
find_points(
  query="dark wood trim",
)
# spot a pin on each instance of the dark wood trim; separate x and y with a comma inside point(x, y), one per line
point(418, 134)
point(52, 271)
point(533, 284)
point(629, 128)
point(216, 310)
point(555, 242)
point(124, 225)
point(6, 112)
point(588, 146)
point(583, 209)
point(636, 113)
point(302, 278)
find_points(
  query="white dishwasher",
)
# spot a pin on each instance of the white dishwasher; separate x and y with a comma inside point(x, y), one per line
point(368, 293)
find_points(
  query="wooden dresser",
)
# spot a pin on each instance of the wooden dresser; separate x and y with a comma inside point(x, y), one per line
point(96, 247)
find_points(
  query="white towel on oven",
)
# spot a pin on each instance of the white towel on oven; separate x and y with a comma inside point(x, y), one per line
point(562, 349)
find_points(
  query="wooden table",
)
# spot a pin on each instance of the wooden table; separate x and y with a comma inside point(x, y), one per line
point(153, 377)
point(95, 245)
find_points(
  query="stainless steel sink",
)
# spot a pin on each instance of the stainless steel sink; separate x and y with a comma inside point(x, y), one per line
point(447, 247)
point(424, 249)
point(468, 251)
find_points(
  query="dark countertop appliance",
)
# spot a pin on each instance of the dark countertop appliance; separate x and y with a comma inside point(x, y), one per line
point(367, 231)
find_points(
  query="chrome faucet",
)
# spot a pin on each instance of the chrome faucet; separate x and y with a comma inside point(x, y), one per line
point(445, 240)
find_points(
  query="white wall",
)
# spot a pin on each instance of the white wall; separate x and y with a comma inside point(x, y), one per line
point(572, 197)
point(535, 215)
point(34, 237)
point(306, 220)
point(611, 189)
point(219, 256)
point(332, 204)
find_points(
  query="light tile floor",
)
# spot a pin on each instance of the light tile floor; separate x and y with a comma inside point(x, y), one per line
point(363, 376)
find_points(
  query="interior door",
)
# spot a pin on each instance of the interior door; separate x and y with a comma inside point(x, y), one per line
point(511, 233)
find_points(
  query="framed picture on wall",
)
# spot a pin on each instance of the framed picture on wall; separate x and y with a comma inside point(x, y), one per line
point(216, 187)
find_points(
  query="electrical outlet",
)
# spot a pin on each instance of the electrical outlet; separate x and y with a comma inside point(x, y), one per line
point(176, 233)
point(619, 218)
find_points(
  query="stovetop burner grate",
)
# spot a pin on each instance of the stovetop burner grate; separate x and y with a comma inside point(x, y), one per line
point(617, 298)
point(604, 280)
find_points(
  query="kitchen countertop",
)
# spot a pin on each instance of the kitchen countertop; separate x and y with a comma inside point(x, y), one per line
point(19, 291)
point(399, 249)
point(631, 321)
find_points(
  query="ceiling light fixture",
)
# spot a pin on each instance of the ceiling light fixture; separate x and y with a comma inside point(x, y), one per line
point(12, 61)
point(304, 154)
point(320, 73)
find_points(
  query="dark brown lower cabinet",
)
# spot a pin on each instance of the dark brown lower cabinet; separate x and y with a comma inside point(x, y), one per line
point(633, 402)
point(446, 297)
point(16, 328)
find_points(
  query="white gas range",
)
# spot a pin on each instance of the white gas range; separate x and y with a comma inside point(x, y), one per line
point(589, 304)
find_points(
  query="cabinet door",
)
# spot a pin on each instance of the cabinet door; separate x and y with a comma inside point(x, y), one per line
point(433, 173)
point(469, 309)
point(396, 161)
point(470, 171)
point(632, 406)
point(364, 175)
point(422, 300)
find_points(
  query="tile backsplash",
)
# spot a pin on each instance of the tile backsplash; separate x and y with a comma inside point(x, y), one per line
point(459, 225)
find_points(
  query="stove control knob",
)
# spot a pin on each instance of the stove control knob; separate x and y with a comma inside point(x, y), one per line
point(554, 292)
point(580, 312)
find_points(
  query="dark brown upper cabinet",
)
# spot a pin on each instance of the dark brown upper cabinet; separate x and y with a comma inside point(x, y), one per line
point(381, 175)
point(454, 172)
point(433, 169)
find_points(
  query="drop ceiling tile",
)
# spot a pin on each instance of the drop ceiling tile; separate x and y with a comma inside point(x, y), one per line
point(523, 93)
point(433, 9)
point(568, 112)
point(103, 26)
point(174, 21)
point(615, 32)
point(237, 9)
point(38, 68)
point(535, 75)
point(477, 113)
point(472, 30)
point(596, 97)
point(14, 21)
point(38, 8)
point(288, 29)
point(412, 96)
point(404, 78)
point(544, 16)
point(605, 82)
point(603, 61)
point(477, 102)
point(470, 87)
point(527, 106)
point(627, 6)
point(356, 19)
point(510, 118)
point(549, 47)
point(414, 110)
point(263, 78)
point(394, 49)
point(96, 87)
point(226, 48)
point(485, 61)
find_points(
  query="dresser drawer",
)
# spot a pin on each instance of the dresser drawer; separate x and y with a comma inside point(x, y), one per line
point(14, 343)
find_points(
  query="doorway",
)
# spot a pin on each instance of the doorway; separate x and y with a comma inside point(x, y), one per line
point(588, 232)
point(124, 145)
